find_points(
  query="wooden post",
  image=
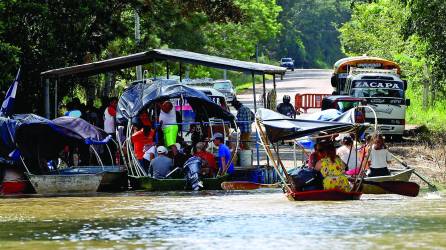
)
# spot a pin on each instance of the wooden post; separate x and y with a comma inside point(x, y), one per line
point(55, 99)
point(264, 91)
point(46, 93)
point(167, 69)
point(255, 111)
point(181, 72)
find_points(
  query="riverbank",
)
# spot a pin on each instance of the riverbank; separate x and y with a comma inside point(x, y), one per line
point(426, 153)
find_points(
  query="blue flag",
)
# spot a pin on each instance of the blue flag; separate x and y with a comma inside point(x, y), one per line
point(8, 104)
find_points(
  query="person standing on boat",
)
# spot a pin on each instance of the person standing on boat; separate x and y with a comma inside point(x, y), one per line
point(110, 116)
point(224, 155)
point(142, 137)
point(332, 169)
point(168, 122)
point(161, 165)
point(177, 157)
point(245, 118)
point(379, 158)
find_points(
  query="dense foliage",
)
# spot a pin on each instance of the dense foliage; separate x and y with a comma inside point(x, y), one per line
point(412, 34)
point(309, 33)
point(41, 35)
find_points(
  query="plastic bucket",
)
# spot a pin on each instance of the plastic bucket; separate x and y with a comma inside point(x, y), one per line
point(245, 158)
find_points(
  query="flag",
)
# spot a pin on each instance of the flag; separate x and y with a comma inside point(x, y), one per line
point(8, 104)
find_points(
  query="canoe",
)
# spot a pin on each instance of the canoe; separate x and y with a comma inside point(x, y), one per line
point(65, 184)
point(148, 183)
point(395, 175)
point(323, 195)
point(114, 179)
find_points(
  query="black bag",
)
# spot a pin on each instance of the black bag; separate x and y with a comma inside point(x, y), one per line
point(306, 179)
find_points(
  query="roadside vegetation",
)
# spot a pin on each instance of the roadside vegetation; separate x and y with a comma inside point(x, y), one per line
point(412, 34)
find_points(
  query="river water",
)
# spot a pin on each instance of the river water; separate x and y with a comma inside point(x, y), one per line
point(262, 219)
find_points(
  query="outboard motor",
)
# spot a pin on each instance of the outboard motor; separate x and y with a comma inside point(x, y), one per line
point(192, 169)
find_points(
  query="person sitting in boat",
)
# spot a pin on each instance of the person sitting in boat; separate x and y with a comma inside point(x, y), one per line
point(332, 169)
point(209, 167)
point(315, 156)
point(379, 158)
point(178, 158)
point(224, 155)
point(161, 165)
point(168, 122)
point(348, 153)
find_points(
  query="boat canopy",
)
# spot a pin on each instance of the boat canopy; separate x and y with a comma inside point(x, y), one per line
point(162, 55)
point(142, 95)
point(35, 136)
point(279, 127)
point(341, 66)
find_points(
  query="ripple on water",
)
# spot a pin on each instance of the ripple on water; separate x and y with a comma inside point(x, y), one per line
point(239, 220)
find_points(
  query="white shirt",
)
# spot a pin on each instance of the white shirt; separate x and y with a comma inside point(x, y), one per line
point(344, 153)
point(168, 118)
point(379, 158)
point(109, 122)
point(151, 150)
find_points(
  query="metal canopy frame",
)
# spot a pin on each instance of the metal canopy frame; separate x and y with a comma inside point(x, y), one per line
point(151, 56)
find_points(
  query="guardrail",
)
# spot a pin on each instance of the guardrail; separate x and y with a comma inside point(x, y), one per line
point(303, 102)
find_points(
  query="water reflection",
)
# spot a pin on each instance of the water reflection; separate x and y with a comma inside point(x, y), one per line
point(237, 220)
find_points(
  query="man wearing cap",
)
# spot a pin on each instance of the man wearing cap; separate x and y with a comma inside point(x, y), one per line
point(161, 165)
point(224, 155)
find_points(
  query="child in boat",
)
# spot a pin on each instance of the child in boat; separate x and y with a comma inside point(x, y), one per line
point(332, 169)
point(379, 158)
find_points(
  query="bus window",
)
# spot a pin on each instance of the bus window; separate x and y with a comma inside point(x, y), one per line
point(373, 92)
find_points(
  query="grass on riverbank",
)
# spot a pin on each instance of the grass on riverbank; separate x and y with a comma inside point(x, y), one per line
point(433, 118)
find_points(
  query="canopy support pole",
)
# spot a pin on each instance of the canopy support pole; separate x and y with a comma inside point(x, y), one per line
point(55, 99)
point(167, 70)
point(264, 91)
point(46, 93)
point(181, 71)
point(274, 82)
point(255, 111)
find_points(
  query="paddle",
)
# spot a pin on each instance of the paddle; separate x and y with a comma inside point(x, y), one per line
point(246, 185)
point(397, 187)
point(432, 187)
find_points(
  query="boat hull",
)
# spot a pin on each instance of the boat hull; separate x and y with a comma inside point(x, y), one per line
point(148, 183)
point(396, 175)
point(114, 177)
point(65, 184)
point(323, 195)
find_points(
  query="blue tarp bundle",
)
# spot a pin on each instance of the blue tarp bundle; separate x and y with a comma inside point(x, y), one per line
point(141, 96)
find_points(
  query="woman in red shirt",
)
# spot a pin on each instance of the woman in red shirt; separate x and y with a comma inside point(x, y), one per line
point(210, 167)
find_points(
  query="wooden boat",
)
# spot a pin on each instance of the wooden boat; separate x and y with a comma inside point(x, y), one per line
point(323, 195)
point(148, 183)
point(65, 183)
point(114, 177)
point(395, 175)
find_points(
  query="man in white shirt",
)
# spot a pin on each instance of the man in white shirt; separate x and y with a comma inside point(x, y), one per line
point(168, 121)
point(109, 116)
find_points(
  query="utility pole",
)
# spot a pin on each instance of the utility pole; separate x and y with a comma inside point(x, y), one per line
point(137, 42)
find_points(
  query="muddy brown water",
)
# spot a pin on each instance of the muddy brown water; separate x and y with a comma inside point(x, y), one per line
point(262, 219)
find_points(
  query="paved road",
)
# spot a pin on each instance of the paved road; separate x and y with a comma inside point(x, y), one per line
point(299, 81)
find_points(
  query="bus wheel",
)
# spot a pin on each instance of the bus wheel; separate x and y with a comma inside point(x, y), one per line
point(397, 138)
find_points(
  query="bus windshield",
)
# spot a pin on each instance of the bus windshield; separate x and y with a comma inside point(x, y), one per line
point(377, 92)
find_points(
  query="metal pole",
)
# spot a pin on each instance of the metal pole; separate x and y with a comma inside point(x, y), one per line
point(181, 72)
point(255, 111)
point(55, 99)
point(137, 41)
point(274, 82)
point(46, 93)
point(167, 69)
point(264, 91)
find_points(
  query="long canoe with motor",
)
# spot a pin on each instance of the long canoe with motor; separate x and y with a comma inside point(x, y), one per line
point(395, 175)
point(65, 184)
point(323, 195)
point(148, 183)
